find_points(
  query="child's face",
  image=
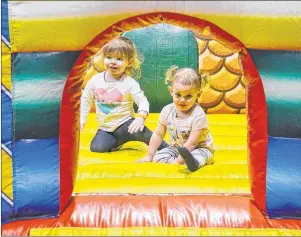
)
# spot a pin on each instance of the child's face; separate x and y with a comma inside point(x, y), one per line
point(184, 96)
point(116, 64)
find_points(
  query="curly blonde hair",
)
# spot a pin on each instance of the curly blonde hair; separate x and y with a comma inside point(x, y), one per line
point(124, 47)
point(186, 76)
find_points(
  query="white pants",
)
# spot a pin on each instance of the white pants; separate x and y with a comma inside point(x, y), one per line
point(167, 155)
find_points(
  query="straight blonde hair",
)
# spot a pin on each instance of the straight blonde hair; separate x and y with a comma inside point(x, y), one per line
point(124, 47)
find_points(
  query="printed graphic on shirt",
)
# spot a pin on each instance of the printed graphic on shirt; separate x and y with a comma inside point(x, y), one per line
point(107, 100)
point(179, 135)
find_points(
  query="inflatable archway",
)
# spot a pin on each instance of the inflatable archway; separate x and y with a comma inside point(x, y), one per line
point(43, 187)
point(257, 142)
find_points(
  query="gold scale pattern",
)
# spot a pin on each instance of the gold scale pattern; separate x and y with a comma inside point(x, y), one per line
point(226, 90)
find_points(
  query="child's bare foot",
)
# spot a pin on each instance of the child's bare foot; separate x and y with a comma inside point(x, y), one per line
point(191, 163)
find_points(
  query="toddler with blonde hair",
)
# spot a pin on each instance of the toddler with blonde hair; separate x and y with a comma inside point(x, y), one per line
point(186, 122)
point(114, 91)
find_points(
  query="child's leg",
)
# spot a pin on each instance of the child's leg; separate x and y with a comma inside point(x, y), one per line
point(145, 137)
point(197, 158)
point(191, 162)
point(166, 155)
point(204, 156)
point(122, 135)
point(102, 142)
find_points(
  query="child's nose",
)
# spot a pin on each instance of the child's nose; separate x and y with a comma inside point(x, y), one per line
point(113, 60)
point(182, 100)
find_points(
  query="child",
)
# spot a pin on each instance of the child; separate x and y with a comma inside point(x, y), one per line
point(114, 92)
point(186, 123)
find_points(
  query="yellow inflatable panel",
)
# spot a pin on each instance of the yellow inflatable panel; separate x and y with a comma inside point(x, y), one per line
point(160, 231)
point(162, 186)
point(117, 172)
point(7, 174)
point(6, 66)
point(74, 33)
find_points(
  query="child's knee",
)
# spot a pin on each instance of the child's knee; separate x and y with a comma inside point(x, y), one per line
point(203, 159)
point(100, 148)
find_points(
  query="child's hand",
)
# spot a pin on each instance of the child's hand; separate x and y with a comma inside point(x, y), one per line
point(147, 158)
point(136, 125)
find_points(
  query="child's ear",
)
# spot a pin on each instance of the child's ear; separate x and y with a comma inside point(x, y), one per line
point(170, 90)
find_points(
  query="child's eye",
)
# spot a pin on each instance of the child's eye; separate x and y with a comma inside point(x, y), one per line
point(188, 96)
point(178, 95)
point(108, 57)
point(120, 59)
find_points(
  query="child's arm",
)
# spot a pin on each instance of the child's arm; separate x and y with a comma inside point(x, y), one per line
point(199, 124)
point(141, 100)
point(85, 103)
point(190, 144)
point(154, 143)
point(193, 139)
point(143, 108)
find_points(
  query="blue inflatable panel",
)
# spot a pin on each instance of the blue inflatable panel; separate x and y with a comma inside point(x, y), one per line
point(284, 178)
point(6, 211)
point(36, 177)
point(6, 119)
point(4, 20)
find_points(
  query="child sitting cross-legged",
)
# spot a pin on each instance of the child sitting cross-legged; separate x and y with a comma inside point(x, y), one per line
point(186, 123)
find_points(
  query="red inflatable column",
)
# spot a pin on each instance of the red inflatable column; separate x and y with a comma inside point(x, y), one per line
point(257, 132)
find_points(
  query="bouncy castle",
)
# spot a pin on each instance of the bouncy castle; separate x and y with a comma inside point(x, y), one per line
point(52, 184)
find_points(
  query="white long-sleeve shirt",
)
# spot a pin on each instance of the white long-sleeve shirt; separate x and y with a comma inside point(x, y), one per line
point(114, 101)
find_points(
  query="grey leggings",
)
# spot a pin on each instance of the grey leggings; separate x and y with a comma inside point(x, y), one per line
point(105, 141)
point(203, 156)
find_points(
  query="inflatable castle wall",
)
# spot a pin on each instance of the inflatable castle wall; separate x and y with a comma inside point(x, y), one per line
point(52, 184)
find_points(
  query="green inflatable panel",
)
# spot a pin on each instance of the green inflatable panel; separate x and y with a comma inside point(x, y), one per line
point(37, 82)
point(162, 46)
point(284, 105)
point(281, 75)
